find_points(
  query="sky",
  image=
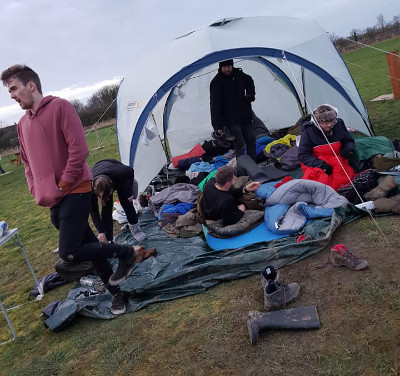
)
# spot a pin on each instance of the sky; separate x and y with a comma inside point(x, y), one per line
point(78, 46)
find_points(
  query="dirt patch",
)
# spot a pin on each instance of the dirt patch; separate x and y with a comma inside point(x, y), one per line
point(359, 313)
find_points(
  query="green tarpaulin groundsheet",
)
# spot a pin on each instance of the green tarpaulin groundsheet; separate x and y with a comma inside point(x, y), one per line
point(185, 267)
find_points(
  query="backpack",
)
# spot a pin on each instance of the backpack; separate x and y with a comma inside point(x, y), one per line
point(73, 271)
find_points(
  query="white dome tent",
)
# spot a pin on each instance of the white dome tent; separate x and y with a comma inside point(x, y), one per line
point(294, 65)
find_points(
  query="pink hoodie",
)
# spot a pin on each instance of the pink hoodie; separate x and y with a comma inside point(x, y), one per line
point(53, 148)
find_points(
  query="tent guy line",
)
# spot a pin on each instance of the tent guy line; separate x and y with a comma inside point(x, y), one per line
point(335, 154)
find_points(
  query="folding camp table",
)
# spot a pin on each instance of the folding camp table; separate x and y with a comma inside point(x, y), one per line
point(13, 235)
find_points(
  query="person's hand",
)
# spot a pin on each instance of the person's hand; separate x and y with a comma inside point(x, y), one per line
point(327, 168)
point(253, 186)
point(102, 238)
point(130, 199)
point(347, 153)
point(242, 208)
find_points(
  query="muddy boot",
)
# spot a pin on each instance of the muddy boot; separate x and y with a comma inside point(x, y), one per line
point(382, 190)
point(293, 318)
point(137, 232)
point(388, 205)
point(277, 295)
point(341, 256)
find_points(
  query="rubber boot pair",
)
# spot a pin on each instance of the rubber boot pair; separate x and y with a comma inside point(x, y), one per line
point(382, 190)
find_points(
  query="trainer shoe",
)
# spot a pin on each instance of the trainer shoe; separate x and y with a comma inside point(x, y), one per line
point(118, 306)
point(124, 269)
point(341, 256)
point(137, 232)
point(277, 295)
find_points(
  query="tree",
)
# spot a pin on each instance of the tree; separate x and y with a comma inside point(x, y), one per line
point(78, 105)
point(381, 22)
point(104, 98)
point(370, 33)
point(396, 23)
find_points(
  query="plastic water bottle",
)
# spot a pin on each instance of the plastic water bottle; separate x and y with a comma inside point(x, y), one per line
point(3, 228)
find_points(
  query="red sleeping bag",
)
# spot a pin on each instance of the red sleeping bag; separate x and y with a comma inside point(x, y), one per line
point(338, 176)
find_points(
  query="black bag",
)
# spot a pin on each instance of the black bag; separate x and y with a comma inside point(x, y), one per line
point(73, 271)
point(49, 282)
point(363, 182)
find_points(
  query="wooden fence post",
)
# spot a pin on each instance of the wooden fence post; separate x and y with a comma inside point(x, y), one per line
point(394, 72)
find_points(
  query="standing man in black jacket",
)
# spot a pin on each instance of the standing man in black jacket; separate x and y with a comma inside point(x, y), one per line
point(231, 94)
point(110, 175)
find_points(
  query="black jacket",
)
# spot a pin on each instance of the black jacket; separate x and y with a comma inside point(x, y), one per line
point(311, 136)
point(122, 177)
point(219, 204)
point(230, 99)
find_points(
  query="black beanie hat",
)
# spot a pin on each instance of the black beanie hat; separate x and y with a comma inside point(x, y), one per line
point(225, 63)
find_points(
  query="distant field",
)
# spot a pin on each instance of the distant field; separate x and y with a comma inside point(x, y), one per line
point(370, 71)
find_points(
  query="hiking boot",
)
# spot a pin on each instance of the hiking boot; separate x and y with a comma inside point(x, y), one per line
point(118, 306)
point(137, 232)
point(277, 295)
point(227, 134)
point(269, 273)
point(388, 205)
point(382, 190)
point(341, 256)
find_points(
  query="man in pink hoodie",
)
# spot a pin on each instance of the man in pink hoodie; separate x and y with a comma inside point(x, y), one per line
point(54, 150)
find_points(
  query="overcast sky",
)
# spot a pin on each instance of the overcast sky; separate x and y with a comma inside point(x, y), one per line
point(77, 46)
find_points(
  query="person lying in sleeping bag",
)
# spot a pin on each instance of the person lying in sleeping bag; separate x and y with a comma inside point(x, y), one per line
point(219, 196)
point(325, 146)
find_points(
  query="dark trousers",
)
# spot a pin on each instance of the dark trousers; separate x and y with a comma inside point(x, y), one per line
point(245, 139)
point(77, 242)
point(106, 214)
point(1, 170)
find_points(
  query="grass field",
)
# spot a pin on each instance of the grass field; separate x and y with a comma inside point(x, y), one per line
point(206, 334)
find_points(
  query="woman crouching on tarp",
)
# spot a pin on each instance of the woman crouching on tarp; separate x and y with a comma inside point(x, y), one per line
point(326, 147)
point(110, 175)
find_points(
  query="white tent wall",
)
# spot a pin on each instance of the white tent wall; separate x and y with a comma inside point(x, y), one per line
point(191, 113)
point(301, 41)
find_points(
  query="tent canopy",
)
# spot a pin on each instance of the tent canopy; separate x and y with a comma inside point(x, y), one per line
point(165, 99)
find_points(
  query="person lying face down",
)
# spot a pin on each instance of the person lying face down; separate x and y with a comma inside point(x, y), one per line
point(220, 195)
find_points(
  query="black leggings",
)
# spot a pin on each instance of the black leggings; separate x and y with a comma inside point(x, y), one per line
point(106, 214)
point(77, 241)
point(245, 139)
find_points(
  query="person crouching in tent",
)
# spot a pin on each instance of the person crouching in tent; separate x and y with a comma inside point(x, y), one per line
point(110, 175)
point(326, 147)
